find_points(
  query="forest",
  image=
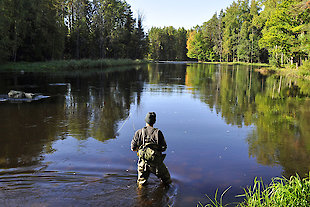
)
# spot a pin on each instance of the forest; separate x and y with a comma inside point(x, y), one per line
point(41, 30)
point(268, 31)
point(252, 31)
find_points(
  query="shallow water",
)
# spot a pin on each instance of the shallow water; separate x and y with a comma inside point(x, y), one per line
point(224, 126)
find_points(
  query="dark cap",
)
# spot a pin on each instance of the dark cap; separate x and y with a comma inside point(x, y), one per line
point(150, 118)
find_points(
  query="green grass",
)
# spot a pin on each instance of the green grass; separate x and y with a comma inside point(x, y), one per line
point(303, 72)
point(215, 202)
point(281, 192)
point(59, 65)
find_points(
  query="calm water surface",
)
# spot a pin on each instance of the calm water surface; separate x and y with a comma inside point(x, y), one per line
point(224, 126)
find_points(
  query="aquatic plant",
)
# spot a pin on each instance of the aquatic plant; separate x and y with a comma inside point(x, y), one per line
point(281, 192)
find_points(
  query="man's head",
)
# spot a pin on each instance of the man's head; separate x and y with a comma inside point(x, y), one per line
point(150, 118)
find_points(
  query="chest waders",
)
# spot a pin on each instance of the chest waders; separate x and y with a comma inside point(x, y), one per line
point(151, 159)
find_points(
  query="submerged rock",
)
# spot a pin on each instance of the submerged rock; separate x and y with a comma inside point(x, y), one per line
point(20, 94)
point(19, 97)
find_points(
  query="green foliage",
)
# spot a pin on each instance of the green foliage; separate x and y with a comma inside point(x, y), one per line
point(243, 33)
point(231, 36)
point(167, 43)
point(280, 192)
point(40, 30)
point(284, 33)
point(197, 46)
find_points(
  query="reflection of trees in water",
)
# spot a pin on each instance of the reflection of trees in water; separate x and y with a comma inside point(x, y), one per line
point(277, 107)
point(282, 134)
point(230, 90)
point(93, 105)
point(27, 130)
point(168, 74)
point(95, 108)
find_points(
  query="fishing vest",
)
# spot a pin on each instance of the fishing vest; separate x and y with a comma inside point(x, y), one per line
point(149, 151)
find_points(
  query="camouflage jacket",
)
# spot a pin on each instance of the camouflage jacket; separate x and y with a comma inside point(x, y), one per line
point(152, 136)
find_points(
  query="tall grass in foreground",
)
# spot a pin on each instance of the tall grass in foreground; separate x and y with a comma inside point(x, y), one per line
point(281, 192)
point(215, 202)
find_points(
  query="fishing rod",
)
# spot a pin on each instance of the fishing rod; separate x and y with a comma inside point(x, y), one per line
point(133, 126)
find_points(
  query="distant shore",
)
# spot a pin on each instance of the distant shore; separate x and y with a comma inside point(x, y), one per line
point(59, 65)
point(239, 63)
point(85, 64)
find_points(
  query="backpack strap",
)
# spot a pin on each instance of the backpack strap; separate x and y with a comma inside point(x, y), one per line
point(143, 135)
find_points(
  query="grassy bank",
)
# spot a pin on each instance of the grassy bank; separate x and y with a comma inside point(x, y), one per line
point(59, 65)
point(302, 72)
point(281, 192)
point(239, 63)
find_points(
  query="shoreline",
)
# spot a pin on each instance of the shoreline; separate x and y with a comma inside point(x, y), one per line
point(87, 64)
point(302, 73)
point(68, 65)
point(238, 63)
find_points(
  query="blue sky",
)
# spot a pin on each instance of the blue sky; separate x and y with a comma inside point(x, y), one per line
point(177, 13)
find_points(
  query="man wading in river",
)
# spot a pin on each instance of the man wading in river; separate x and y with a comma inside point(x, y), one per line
point(150, 143)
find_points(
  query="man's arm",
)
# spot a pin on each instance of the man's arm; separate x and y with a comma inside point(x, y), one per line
point(161, 141)
point(135, 142)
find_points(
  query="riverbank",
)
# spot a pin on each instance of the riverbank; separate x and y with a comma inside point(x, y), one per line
point(303, 72)
point(239, 63)
point(294, 191)
point(60, 65)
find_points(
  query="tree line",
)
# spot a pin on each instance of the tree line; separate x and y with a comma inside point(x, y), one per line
point(39, 30)
point(258, 31)
point(269, 31)
point(167, 43)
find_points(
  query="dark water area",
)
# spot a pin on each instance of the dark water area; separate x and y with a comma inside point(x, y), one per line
point(224, 126)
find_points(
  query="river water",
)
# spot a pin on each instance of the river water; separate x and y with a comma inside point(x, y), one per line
point(224, 126)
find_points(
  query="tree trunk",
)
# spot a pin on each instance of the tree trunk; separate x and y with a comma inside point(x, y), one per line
point(282, 58)
point(292, 60)
point(280, 84)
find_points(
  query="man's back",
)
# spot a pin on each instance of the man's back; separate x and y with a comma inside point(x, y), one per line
point(150, 135)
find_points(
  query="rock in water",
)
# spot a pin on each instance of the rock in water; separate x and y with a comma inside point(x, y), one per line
point(16, 94)
point(20, 94)
point(30, 95)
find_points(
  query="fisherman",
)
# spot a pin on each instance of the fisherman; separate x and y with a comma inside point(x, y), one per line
point(150, 143)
